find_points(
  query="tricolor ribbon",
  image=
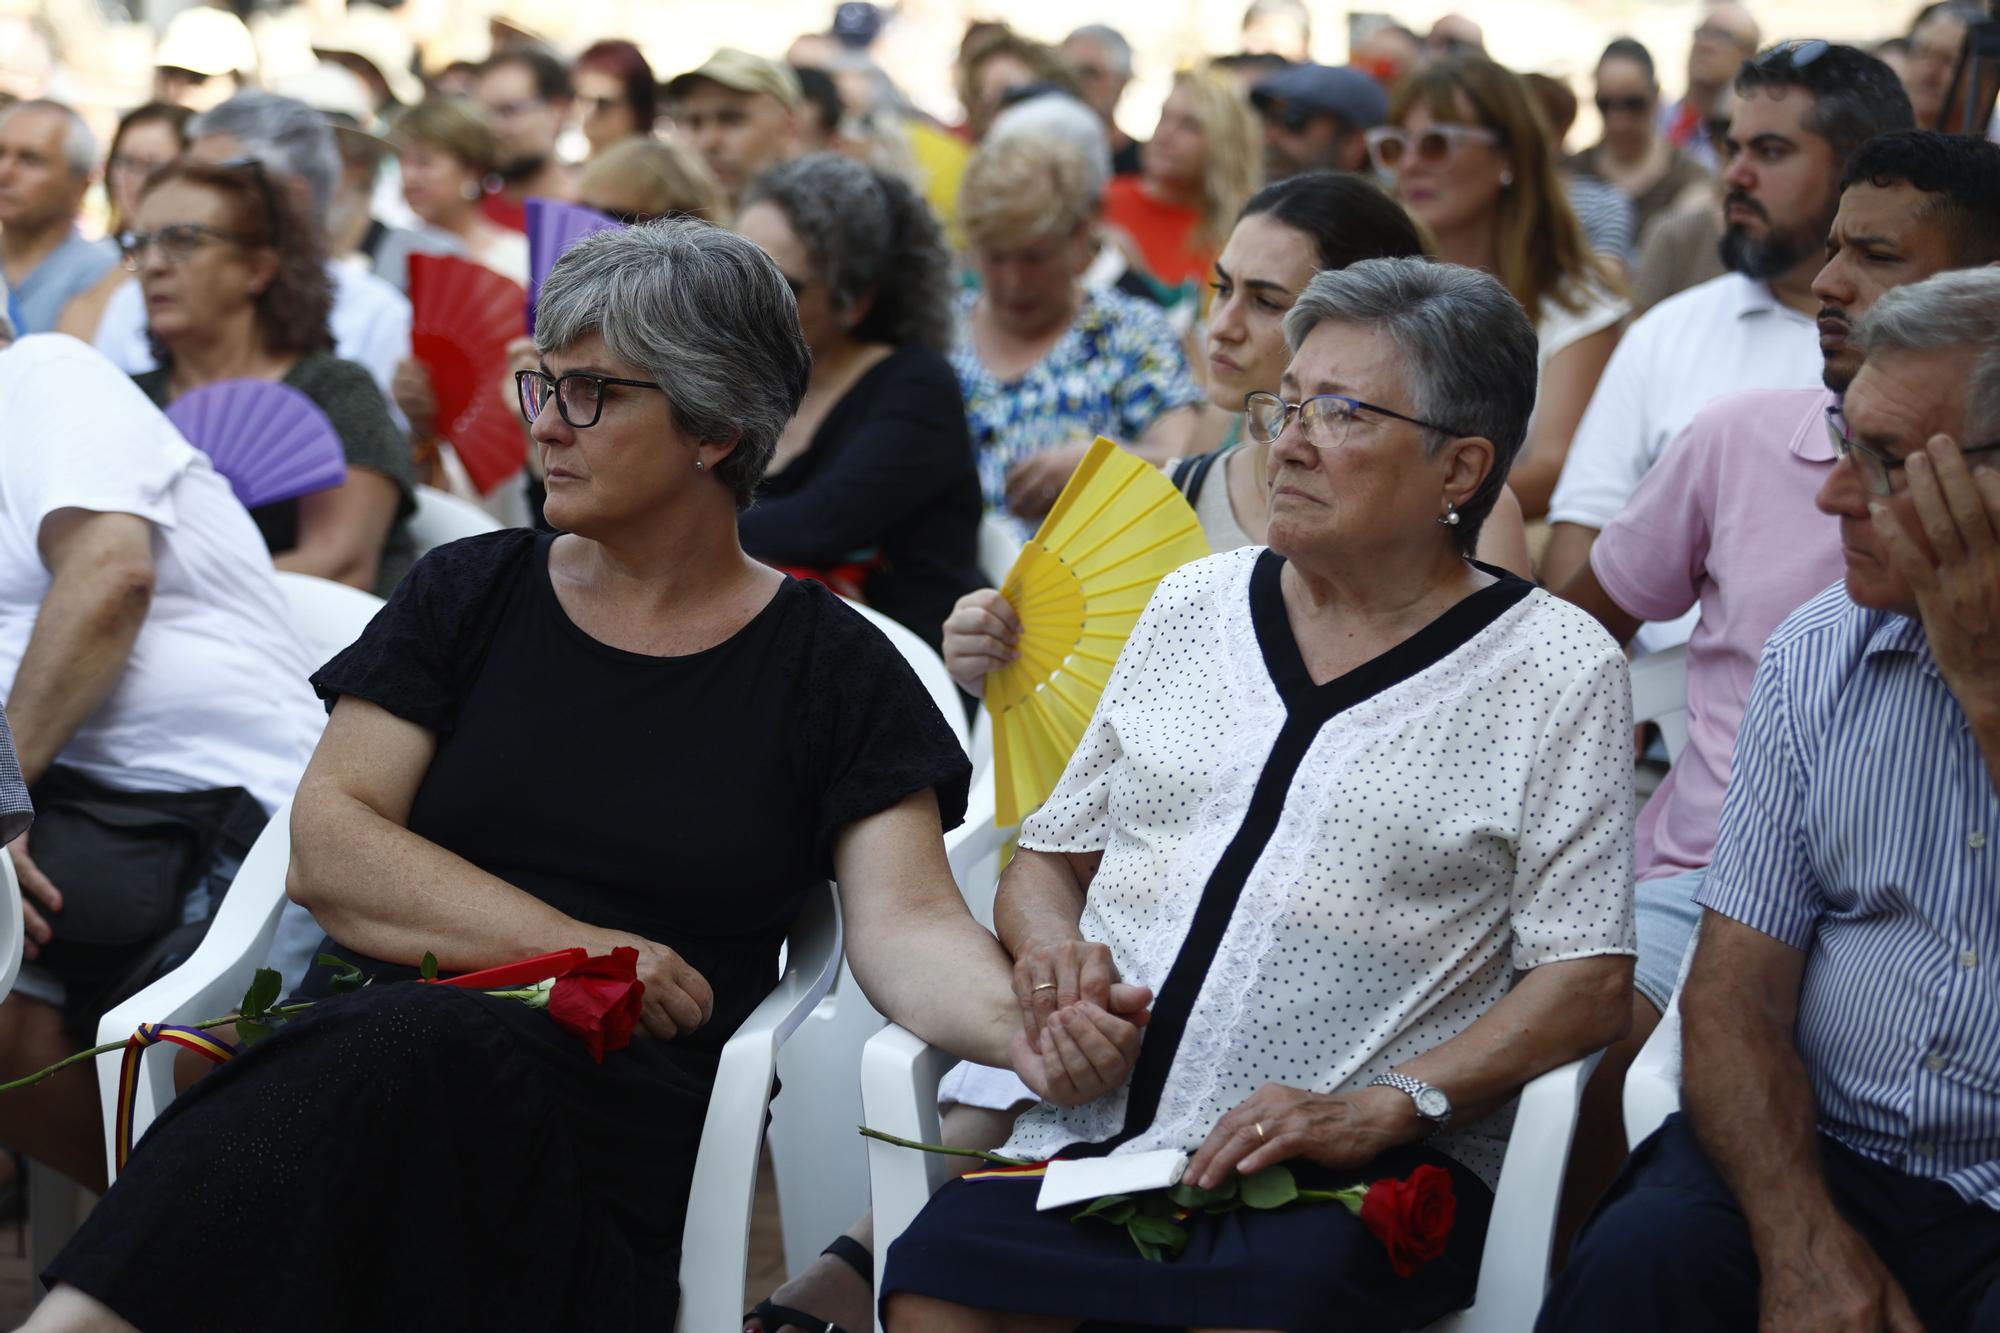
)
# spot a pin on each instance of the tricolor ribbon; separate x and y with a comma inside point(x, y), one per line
point(199, 1041)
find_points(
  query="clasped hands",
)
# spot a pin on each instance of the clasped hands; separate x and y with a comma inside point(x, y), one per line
point(1080, 1025)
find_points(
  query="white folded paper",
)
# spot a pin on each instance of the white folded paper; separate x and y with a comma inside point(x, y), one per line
point(1089, 1178)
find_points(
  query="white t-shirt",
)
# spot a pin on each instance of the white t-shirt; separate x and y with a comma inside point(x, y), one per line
point(214, 693)
point(1724, 336)
point(370, 322)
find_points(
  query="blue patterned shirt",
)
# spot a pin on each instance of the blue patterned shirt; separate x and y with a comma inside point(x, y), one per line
point(1861, 827)
point(1116, 370)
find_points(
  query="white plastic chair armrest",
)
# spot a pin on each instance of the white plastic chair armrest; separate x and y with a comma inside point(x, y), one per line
point(900, 1073)
point(208, 985)
point(1520, 1236)
point(715, 1242)
point(13, 931)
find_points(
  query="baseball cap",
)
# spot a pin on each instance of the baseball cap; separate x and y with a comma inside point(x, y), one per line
point(743, 72)
point(1336, 90)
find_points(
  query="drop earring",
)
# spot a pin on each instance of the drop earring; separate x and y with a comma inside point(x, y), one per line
point(1450, 515)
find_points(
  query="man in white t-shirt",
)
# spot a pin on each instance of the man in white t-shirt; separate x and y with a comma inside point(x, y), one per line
point(145, 647)
point(1802, 109)
point(370, 319)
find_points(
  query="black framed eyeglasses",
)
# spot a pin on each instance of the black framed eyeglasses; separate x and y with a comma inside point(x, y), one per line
point(1876, 467)
point(176, 241)
point(1324, 418)
point(579, 395)
point(1792, 55)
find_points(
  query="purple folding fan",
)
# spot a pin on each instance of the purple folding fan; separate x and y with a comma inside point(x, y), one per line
point(554, 226)
point(269, 441)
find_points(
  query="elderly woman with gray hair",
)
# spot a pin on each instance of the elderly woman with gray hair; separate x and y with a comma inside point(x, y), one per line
point(1356, 810)
point(872, 489)
point(718, 741)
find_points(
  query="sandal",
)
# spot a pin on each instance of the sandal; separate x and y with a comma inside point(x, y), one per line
point(844, 1248)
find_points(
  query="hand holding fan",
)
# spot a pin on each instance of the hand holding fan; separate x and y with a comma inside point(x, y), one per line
point(462, 316)
point(1117, 529)
point(553, 226)
point(269, 441)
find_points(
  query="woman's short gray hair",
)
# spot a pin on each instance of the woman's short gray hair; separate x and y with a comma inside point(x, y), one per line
point(1467, 349)
point(705, 314)
point(1959, 308)
point(284, 134)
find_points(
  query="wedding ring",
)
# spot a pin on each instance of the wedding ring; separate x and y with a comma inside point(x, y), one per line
point(1260, 1132)
point(1046, 985)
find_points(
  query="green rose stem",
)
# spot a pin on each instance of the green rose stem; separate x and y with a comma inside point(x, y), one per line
point(535, 997)
point(992, 1157)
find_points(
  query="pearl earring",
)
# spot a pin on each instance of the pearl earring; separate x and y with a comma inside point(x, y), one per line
point(699, 465)
point(1506, 179)
point(1450, 515)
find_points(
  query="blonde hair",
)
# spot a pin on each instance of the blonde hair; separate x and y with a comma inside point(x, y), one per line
point(1025, 188)
point(662, 177)
point(1233, 168)
point(454, 125)
point(1541, 251)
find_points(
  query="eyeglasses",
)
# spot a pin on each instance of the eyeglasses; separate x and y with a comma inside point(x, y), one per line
point(601, 105)
point(137, 166)
point(1875, 466)
point(1391, 148)
point(1324, 418)
point(1634, 105)
point(1794, 55)
point(579, 395)
point(177, 241)
point(1291, 116)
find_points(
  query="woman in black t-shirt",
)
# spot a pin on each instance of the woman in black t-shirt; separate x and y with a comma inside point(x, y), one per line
point(628, 735)
point(873, 489)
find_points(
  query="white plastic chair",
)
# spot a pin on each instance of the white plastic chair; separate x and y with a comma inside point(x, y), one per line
point(442, 517)
point(821, 1164)
point(13, 934)
point(715, 1247)
point(998, 549)
point(923, 659)
point(330, 615)
point(1659, 696)
point(899, 1082)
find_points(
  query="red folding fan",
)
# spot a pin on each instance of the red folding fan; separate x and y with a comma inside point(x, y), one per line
point(463, 315)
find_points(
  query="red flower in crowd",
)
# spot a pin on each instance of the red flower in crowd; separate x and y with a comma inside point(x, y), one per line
point(598, 1001)
point(1411, 1217)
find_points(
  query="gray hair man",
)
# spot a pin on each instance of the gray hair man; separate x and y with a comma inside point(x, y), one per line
point(1102, 59)
point(1836, 1164)
point(47, 158)
point(371, 319)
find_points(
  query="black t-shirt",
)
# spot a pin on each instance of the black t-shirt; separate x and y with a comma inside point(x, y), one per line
point(692, 800)
point(889, 474)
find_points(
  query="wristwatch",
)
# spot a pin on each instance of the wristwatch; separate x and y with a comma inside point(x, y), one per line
point(1431, 1102)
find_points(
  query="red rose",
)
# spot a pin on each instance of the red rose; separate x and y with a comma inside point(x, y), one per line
point(1411, 1217)
point(598, 1001)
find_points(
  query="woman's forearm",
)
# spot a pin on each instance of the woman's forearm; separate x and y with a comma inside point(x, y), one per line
point(380, 889)
point(1558, 1012)
point(1040, 900)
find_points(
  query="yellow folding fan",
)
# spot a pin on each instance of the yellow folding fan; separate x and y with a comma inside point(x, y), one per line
point(1117, 529)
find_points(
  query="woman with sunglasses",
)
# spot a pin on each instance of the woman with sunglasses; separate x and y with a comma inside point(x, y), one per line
point(1634, 157)
point(616, 94)
point(1289, 231)
point(627, 736)
point(236, 287)
point(1468, 155)
point(147, 138)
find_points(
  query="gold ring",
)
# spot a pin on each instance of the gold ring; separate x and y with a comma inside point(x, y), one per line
point(1046, 985)
point(1260, 1132)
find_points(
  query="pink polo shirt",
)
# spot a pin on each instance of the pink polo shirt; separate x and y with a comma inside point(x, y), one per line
point(1724, 519)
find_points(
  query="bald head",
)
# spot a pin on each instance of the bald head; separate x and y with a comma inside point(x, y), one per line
point(1726, 37)
point(1455, 34)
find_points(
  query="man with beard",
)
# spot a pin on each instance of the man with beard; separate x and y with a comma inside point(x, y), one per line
point(525, 94)
point(1726, 521)
point(1802, 109)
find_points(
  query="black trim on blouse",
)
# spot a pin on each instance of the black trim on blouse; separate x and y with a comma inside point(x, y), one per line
point(1308, 707)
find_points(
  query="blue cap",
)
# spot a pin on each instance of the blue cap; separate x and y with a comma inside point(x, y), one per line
point(857, 23)
point(1336, 90)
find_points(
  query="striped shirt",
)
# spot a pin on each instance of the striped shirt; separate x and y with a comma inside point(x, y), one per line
point(1861, 827)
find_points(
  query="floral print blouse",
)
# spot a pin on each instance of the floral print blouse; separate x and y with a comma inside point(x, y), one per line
point(1114, 372)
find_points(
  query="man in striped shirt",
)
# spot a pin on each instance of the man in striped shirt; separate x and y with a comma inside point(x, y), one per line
point(1838, 1163)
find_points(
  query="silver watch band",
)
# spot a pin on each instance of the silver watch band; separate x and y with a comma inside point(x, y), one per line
point(1415, 1089)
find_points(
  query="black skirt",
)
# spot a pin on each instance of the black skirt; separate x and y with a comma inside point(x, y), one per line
point(402, 1157)
point(1303, 1268)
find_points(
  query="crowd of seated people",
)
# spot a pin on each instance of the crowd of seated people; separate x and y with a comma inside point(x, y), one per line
point(1360, 838)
